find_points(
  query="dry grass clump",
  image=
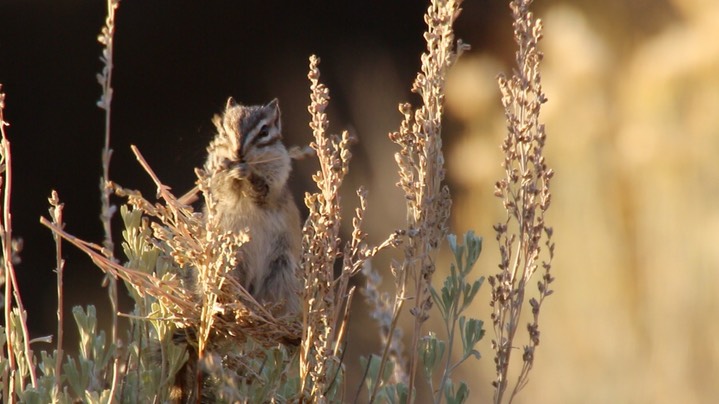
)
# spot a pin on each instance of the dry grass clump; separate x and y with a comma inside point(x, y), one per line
point(218, 309)
point(183, 236)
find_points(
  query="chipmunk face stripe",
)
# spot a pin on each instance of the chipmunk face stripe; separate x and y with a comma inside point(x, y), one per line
point(265, 129)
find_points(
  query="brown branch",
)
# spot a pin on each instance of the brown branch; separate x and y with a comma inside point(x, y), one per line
point(11, 286)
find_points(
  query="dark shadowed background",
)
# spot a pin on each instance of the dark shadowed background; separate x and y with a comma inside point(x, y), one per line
point(176, 62)
point(632, 135)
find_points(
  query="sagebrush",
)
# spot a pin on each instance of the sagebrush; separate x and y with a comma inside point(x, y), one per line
point(256, 355)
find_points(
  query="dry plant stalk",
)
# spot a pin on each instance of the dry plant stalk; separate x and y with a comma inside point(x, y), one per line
point(106, 38)
point(56, 216)
point(421, 169)
point(320, 241)
point(10, 249)
point(526, 197)
point(326, 300)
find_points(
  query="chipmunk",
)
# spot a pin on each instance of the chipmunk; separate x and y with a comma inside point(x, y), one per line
point(248, 166)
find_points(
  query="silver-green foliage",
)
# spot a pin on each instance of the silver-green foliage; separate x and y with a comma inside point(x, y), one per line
point(456, 294)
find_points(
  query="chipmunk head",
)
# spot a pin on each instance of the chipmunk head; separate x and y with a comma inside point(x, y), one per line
point(249, 141)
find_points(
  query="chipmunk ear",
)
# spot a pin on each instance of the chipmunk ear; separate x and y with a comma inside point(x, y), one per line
point(230, 103)
point(274, 108)
point(217, 121)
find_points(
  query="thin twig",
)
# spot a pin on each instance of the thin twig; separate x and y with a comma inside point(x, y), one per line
point(56, 215)
point(399, 303)
point(11, 286)
point(7, 263)
point(163, 190)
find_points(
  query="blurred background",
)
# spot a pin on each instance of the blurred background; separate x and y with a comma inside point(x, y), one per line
point(633, 136)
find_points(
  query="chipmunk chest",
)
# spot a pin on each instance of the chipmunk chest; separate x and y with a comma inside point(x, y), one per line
point(264, 224)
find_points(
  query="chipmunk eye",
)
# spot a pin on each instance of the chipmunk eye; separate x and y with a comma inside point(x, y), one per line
point(265, 136)
point(264, 131)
